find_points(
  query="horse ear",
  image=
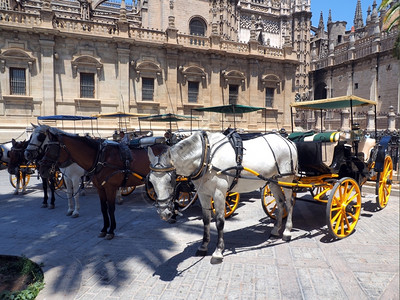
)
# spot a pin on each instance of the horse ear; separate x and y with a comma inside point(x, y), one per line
point(151, 155)
point(13, 141)
point(34, 126)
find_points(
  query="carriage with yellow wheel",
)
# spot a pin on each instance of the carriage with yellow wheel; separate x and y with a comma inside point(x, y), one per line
point(333, 166)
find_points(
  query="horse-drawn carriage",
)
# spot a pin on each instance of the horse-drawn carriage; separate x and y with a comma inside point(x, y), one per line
point(283, 168)
point(333, 166)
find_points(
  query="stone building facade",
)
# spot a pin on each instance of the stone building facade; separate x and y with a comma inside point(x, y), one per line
point(92, 56)
point(359, 61)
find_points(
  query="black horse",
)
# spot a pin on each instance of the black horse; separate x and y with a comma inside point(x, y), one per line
point(17, 159)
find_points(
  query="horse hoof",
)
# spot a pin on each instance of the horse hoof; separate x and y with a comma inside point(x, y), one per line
point(216, 260)
point(109, 236)
point(286, 238)
point(102, 234)
point(201, 252)
point(51, 206)
point(44, 205)
point(69, 213)
point(75, 215)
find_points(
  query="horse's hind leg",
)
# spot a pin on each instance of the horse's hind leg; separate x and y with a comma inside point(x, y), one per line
point(287, 236)
point(280, 201)
point(45, 195)
point(68, 184)
point(76, 190)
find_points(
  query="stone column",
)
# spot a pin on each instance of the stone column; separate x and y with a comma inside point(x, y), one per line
point(391, 119)
point(123, 74)
point(345, 122)
point(47, 69)
point(371, 119)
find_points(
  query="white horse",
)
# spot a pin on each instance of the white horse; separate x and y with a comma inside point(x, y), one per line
point(209, 160)
point(73, 173)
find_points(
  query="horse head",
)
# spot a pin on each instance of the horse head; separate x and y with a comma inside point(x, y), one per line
point(16, 156)
point(49, 161)
point(37, 143)
point(163, 178)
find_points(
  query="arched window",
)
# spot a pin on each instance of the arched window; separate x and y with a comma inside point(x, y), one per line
point(197, 27)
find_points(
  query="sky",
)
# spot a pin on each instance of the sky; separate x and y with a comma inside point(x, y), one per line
point(341, 10)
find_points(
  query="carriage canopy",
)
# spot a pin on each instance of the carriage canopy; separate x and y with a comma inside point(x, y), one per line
point(334, 103)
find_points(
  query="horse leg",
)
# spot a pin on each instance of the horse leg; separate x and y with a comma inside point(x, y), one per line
point(206, 209)
point(76, 189)
point(287, 236)
point(119, 197)
point(24, 182)
point(219, 206)
point(17, 183)
point(68, 183)
point(45, 196)
point(103, 206)
point(280, 201)
point(111, 194)
point(52, 190)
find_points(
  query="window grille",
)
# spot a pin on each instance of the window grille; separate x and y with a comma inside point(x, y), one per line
point(17, 81)
point(87, 85)
point(193, 91)
point(147, 89)
point(269, 97)
point(197, 27)
point(233, 93)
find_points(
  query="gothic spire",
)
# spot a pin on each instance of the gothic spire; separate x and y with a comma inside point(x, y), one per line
point(358, 19)
point(330, 17)
point(321, 22)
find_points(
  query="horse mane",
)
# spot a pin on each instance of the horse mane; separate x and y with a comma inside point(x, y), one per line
point(187, 148)
point(94, 143)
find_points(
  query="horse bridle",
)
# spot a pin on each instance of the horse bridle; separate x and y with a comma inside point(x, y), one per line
point(171, 170)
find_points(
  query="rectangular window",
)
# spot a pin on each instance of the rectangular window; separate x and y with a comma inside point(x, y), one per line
point(87, 85)
point(147, 89)
point(269, 97)
point(17, 81)
point(233, 93)
point(193, 91)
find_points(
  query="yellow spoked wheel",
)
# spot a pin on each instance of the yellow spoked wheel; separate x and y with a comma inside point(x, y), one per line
point(13, 180)
point(150, 192)
point(231, 203)
point(343, 208)
point(384, 183)
point(268, 203)
point(184, 198)
point(58, 180)
point(125, 191)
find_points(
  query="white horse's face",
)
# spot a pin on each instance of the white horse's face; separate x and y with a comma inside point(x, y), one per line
point(163, 178)
point(38, 141)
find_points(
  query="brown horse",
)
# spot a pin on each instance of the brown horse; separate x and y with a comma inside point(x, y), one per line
point(111, 165)
point(16, 156)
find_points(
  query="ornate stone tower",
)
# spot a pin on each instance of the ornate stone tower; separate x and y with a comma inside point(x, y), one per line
point(301, 26)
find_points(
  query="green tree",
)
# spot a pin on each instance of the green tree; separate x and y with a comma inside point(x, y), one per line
point(392, 18)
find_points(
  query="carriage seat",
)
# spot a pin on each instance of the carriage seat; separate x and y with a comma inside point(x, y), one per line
point(310, 158)
point(146, 141)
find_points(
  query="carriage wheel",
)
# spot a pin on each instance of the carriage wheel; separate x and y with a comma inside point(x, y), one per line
point(231, 203)
point(125, 191)
point(384, 183)
point(184, 198)
point(269, 205)
point(150, 190)
point(13, 180)
point(58, 180)
point(344, 207)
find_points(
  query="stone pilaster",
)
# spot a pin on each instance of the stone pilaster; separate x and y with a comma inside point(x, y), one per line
point(123, 74)
point(47, 67)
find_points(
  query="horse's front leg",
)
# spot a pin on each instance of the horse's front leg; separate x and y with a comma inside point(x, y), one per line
point(103, 206)
point(45, 195)
point(17, 183)
point(206, 209)
point(219, 205)
point(24, 182)
point(111, 194)
point(52, 186)
point(76, 189)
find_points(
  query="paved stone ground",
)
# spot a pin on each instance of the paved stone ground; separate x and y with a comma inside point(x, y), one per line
point(152, 259)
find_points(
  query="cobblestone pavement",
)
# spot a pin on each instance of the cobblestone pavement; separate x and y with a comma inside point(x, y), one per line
point(152, 259)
